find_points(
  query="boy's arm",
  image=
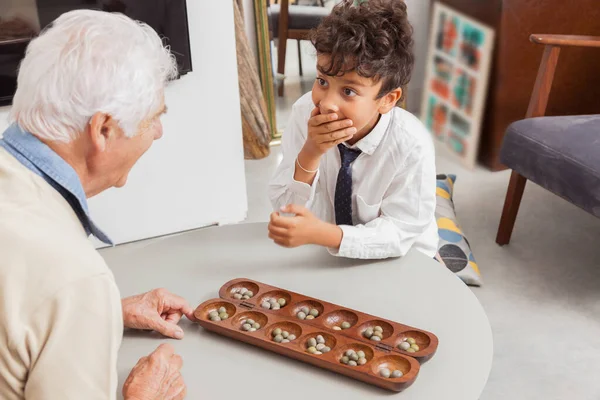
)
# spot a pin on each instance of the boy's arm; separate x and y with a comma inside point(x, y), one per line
point(284, 188)
point(407, 211)
point(303, 228)
point(304, 142)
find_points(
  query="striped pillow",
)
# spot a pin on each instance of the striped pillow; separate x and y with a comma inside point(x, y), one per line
point(453, 248)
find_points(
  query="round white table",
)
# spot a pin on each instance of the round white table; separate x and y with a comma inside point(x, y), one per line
point(414, 290)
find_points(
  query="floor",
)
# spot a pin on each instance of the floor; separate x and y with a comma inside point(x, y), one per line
point(294, 84)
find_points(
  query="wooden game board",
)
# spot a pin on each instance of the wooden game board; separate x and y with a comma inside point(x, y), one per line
point(383, 354)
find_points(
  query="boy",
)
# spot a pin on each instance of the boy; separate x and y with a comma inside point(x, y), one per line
point(364, 167)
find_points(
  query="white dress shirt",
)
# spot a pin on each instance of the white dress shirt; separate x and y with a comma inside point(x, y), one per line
point(393, 185)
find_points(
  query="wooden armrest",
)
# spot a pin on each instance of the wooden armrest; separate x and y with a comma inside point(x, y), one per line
point(543, 83)
point(566, 40)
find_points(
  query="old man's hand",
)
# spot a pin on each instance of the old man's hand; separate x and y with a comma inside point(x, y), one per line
point(158, 310)
point(156, 376)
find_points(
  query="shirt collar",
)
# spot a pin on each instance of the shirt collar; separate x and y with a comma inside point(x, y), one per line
point(43, 161)
point(369, 143)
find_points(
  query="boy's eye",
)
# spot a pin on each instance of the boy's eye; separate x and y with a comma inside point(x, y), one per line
point(321, 81)
point(349, 92)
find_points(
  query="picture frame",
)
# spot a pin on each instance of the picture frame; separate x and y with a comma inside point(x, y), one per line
point(456, 79)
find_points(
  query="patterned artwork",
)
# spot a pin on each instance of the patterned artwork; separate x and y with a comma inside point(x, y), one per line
point(471, 45)
point(456, 78)
point(437, 117)
point(458, 133)
point(463, 92)
point(440, 84)
point(447, 33)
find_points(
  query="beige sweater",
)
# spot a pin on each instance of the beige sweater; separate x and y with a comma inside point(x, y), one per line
point(60, 310)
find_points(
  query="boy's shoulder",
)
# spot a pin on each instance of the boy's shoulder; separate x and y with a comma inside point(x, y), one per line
point(408, 132)
point(304, 105)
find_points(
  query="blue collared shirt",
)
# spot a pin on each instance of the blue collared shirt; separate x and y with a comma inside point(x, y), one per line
point(39, 158)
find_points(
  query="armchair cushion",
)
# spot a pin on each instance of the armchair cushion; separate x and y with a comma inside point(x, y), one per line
point(561, 154)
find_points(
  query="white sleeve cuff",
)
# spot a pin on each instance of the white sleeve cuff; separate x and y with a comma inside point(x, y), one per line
point(347, 243)
point(303, 190)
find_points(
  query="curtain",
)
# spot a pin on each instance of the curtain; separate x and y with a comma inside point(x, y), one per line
point(255, 126)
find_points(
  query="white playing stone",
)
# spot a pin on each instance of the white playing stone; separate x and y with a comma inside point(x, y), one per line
point(404, 346)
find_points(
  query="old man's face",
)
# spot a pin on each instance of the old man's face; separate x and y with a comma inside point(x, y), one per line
point(116, 154)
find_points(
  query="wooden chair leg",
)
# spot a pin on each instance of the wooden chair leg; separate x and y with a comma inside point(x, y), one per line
point(512, 202)
point(299, 58)
point(282, 46)
point(281, 63)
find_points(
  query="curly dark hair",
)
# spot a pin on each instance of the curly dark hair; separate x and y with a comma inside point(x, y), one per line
point(373, 38)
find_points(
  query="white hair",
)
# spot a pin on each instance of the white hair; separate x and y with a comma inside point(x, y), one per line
point(87, 62)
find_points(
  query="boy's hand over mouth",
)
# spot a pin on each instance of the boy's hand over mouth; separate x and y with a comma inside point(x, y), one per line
point(324, 132)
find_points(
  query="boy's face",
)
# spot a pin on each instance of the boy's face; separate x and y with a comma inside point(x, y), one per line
point(351, 96)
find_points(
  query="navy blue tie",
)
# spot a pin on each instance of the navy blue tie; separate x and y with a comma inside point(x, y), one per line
point(343, 187)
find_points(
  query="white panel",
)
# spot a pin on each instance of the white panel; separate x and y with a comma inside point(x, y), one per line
point(194, 175)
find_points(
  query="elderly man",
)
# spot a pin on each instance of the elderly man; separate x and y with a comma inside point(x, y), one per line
point(88, 105)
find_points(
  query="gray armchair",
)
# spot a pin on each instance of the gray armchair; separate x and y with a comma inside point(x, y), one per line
point(561, 154)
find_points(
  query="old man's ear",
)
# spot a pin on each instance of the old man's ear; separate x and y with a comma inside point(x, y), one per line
point(101, 129)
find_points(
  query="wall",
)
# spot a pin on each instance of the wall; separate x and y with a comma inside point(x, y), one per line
point(23, 9)
point(418, 14)
point(194, 175)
